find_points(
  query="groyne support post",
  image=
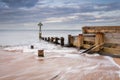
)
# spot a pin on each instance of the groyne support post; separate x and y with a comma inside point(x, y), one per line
point(80, 41)
point(62, 41)
point(40, 53)
point(52, 39)
point(56, 40)
point(99, 40)
point(70, 40)
point(40, 35)
point(48, 39)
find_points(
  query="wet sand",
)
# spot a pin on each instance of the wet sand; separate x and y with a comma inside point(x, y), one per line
point(57, 66)
point(117, 60)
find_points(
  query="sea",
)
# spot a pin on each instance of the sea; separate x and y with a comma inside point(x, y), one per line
point(23, 39)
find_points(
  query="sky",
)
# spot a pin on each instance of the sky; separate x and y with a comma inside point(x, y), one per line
point(58, 14)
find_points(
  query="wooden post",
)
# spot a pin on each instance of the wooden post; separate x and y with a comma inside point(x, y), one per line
point(48, 39)
point(45, 39)
point(62, 41)
point(32, 47)
point(70, 40)
point(56, 40)
point(99, 40)
point(40, 35)
point(52, 39)
point(80, 40)
point(40, 53)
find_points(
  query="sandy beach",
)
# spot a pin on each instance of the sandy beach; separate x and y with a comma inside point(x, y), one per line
point(57, 66)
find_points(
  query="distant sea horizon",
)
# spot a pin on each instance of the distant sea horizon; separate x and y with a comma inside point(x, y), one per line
point(38, 30)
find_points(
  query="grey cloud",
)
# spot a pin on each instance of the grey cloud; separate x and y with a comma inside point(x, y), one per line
point(103, 19)
point(20, 3)
point(83, 8)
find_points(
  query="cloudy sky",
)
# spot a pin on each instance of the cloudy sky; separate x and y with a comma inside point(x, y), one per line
point(58, 14)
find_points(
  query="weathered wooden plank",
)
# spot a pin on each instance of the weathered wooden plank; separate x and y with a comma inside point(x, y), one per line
point(86, 46)
point(112, 38)
point(103, 29)
point(89, 35)
point(75, 41)
point(111, 50)
point(91, 39)
point(80, 41)
point(113, 35)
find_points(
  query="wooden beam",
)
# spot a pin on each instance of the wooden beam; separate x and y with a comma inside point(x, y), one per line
point(80, 41)
point(111, 50)
point(70, 40)
point(99, 39)
point(56, 40)
point(103, 29)
point(62, 41)
point(40, 53)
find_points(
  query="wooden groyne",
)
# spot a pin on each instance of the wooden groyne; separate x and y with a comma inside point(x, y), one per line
point(104, 39)
point(54, 40)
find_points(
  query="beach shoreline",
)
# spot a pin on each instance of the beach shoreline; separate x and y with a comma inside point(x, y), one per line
point(27, 66)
